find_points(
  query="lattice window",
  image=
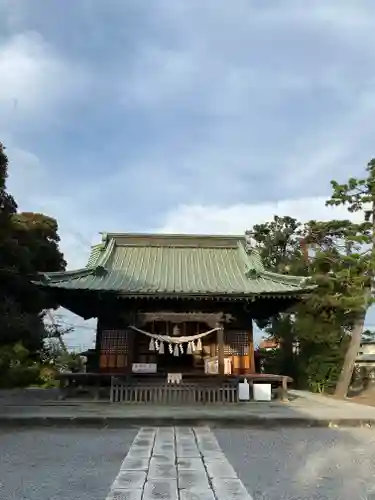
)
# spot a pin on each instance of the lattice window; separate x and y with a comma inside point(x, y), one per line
point(114, 349)
point(236, 343)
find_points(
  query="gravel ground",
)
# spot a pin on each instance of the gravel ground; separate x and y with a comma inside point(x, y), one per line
point(303, 464)
point(60, 464)
point(285, 464)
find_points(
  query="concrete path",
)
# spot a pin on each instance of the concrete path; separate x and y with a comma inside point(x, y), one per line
point(176, 464)
point(303, 409)
point(187, 463)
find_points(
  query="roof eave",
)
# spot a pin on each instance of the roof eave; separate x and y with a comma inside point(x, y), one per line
point(248, 297)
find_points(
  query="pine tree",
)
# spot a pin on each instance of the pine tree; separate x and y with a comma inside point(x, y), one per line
point(358, 195)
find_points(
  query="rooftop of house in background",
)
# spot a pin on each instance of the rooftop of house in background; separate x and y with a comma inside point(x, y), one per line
point(269, 344)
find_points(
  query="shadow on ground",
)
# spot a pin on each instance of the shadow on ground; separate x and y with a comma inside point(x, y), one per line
point(303, 464)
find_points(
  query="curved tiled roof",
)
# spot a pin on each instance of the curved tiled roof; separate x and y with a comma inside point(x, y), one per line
point(176, 265)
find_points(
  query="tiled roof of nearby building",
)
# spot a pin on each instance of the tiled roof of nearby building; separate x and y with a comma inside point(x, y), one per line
point(170, 265)
point(269, 344)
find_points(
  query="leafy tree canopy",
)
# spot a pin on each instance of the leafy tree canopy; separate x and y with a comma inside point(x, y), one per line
point(28, 244)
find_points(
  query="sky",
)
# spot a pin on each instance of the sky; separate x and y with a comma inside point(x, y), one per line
point(182, 115)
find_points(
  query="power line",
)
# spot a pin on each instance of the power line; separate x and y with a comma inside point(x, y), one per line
point(77, 234)
point(61, 320)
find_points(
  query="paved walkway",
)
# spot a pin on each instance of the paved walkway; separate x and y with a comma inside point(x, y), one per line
point(178, 463)
point(83, 463)
point(303, 409)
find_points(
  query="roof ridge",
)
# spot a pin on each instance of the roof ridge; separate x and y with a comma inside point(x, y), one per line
point(255, 266)
point(174, 240)
point(174, 235)
point(284, 278)
point(97, 267)
point(106, 255)
point(252, 260)
point(95, 253)
point(63, 275)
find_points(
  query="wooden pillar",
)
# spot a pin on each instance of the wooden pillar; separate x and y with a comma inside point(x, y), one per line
point(130, 338)
point(220, 345)
point(251, 348)
point(98, 342)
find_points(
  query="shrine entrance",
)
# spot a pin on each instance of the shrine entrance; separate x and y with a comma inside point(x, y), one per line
point(175, 357)
point(169, 363)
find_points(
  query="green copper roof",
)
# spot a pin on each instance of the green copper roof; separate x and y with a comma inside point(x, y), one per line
point(175, 265)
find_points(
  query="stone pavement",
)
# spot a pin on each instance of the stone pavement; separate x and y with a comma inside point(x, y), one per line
point(81, 463)
point(176, 463)
point(303, 409)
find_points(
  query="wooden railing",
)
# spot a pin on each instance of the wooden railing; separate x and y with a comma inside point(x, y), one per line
point(184, 393)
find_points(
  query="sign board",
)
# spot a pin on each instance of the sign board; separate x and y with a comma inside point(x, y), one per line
point(174, 378)
point(144, 367)
point(211, 366)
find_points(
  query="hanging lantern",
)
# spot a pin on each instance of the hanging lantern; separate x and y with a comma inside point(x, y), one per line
point(152, 345)
point(161, 348)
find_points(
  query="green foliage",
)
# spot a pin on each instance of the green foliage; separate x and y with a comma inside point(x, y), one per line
point(273, 360)
point(17, 367)
point(357, 262)
point(71, 361)
point(47, 377)
point(313, 325)
point(280, 244)
point(339, 258)
point(55, 355)
point(28, 245)
point(20, 368)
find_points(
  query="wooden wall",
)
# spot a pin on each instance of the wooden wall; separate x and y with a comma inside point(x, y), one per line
point(239, 345)
point(115, 348)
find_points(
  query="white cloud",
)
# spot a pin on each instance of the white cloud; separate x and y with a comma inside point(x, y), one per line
point(235, 219)
point(246, 102)
point(244, 76)
point(34, 79)
point(197, 219)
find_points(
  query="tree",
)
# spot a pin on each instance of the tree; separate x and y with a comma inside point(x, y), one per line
point(358, 195)
point(315, 325)
point(280, 244)
point(280, 248)
point(8, 206)
point(28, 244)
point(324, 319)
point(38, 235)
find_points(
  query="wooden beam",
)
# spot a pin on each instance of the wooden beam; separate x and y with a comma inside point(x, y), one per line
point(211, 319)
point(220, 344)
point(251, 348)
